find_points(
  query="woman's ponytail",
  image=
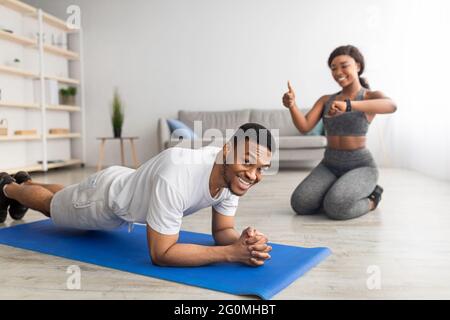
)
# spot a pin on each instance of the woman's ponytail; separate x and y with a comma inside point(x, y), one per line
point(364, 82)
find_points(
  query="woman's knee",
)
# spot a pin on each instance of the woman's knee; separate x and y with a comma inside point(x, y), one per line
point(303, 203)
point(337, 207)
point(344, 209)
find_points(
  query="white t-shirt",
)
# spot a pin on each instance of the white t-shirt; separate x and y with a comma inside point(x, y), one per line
point(173, 184)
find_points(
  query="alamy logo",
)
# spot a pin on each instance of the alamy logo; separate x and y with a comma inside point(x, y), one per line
point(73, 22)
point(74, 280)
point(217, 138)
point(373, 17)
point(374, 280)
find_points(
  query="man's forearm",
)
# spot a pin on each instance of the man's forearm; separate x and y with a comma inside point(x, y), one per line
point(191, 255)
point(226, 237)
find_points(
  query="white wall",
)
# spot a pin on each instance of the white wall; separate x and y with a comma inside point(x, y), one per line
point(214, 55)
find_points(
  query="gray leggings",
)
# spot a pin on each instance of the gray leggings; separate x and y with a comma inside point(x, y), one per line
point(339, 186)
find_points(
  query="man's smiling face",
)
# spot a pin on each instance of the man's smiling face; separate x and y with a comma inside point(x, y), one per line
point(245, 165)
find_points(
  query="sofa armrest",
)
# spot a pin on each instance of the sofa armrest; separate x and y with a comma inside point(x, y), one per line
point(163, 133)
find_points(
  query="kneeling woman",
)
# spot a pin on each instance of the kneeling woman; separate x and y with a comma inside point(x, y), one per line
point(344, 184)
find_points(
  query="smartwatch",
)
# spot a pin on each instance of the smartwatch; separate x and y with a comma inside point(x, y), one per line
point(349, 105)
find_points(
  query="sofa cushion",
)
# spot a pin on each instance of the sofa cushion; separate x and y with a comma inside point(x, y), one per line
point(301, 142)
point(275, 119)
point(222, 121)
point(318, 130)
point(179, 129)
point(194, 144)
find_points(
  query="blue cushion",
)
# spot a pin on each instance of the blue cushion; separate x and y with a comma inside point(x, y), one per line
point(179, 129)
point(318, 130)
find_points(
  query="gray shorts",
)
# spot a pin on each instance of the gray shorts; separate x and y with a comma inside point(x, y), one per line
point(85, 205)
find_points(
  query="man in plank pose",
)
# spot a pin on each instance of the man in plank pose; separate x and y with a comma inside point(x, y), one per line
point(173, 184)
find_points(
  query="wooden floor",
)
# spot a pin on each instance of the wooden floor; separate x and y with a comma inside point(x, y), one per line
point(407, 238)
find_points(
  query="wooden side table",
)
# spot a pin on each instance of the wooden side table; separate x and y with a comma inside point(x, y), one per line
point(122, 153)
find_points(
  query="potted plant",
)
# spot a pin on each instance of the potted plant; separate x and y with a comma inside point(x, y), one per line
point(117, 116)
point(67, 96)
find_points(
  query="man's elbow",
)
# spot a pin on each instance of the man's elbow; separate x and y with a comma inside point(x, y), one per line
point(216, 238)
point(159, 260)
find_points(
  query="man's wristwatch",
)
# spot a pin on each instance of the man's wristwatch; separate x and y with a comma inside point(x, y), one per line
point(349, 105)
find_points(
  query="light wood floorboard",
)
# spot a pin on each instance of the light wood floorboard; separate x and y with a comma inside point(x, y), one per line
point(407, 237)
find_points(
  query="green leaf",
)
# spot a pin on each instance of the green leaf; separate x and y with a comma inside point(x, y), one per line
point(117, 117)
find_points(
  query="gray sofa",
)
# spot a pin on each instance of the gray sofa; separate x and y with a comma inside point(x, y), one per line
point(294, 148)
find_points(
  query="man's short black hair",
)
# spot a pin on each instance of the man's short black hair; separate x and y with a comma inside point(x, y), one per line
point(254, 132)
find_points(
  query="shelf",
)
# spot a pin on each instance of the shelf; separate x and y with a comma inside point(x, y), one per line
point(28, 74)
point(38, 167)
point(63, 108)
point(20, 105)
point(63, 80)
point(20, 138)
point(38, 137)
point(16, 38)
point(64, 136)
point(19, 6)
point(71, 162)
point(71, 55)
point(37, 107)
point(31, 168)
point(56, 22)
point(17, 72)
point(30, 10)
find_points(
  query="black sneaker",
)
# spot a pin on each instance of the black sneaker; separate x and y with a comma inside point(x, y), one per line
point(16, 210)
point(376, 196)
point(4, 201)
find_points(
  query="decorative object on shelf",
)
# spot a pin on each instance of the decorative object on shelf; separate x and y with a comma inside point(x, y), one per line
point(6, 30)
point(67, 96)
point(58, 40)
point(3, 127)
point(59, 131)
point(61, 41)
point(37, 37)
point(117, 117)
point(32, 132)
point(51, 161)
point(16, 63)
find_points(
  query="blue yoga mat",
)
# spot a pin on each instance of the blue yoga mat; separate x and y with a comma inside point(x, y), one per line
point(129, 252)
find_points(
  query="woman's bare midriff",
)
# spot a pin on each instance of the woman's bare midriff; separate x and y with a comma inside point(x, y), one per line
point(346, 142)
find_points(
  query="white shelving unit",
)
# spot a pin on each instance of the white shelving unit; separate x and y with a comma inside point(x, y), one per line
point(24, 100)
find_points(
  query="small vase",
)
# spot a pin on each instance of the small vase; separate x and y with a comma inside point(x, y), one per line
point(117, 132)
point(71, 101)
point(67, 100)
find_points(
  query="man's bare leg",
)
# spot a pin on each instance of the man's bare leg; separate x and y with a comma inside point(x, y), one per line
point(35, 197)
